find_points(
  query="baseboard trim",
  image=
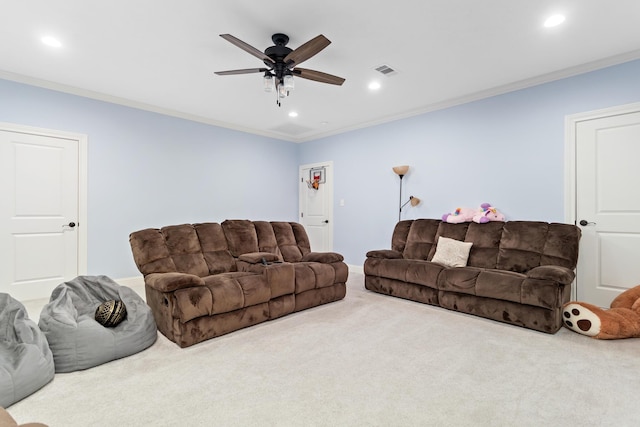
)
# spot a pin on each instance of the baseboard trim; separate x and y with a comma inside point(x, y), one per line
point(356, 269)
point(131, 281)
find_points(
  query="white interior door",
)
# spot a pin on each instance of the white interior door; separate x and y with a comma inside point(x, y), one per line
point(607, 150)
point(40, 213)
point(316, 205)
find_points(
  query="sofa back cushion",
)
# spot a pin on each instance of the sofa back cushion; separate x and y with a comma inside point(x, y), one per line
point(267, 241)
point(185, 250)
point(400, 234)
point(214, 248)
point(561, 247)
point(292, 240)
point(150, 252)
point(450, 231)
point(241, 236)
point(199, 249)
point(515, 246)
point(528, 244)
point(420, 239)
point(486, 243)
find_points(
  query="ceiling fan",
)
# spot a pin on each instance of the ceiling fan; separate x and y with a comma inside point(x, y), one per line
point(282, 63)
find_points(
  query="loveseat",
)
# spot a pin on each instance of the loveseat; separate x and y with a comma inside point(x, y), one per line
point(518, 272)
point(209, 279)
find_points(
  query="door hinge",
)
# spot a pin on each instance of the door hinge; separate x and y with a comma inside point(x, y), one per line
point(301, 214)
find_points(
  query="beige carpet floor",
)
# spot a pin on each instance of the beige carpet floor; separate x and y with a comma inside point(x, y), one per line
point(368, 360)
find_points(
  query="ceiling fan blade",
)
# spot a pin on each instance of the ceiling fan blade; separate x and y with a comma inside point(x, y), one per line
point(247, 47)
point(243, 71)
point(306, 51)
point(318, 76)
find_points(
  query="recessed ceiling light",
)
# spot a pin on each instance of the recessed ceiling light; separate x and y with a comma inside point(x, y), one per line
point(51, 41)
point(374, 85)
point(554, 20)
point(293, 114)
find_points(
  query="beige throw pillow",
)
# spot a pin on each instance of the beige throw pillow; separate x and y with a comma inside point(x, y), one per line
point(451, 253)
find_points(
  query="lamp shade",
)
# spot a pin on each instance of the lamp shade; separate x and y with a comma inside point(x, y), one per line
point(401, 170)
point(415, 201)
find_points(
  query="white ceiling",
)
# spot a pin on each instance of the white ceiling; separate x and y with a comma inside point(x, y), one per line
point(161, 55)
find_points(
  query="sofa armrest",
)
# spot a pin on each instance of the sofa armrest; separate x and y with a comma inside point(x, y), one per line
point(258, 257)
point(324, 257)
point(552, 272)
point(384, 254)
point(169, 282)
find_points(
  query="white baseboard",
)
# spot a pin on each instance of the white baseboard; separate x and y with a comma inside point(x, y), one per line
point(131, 281)
point(356, 269)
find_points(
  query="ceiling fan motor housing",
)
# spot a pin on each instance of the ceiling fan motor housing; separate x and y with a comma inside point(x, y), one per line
point(280, 39)
point(278, 53)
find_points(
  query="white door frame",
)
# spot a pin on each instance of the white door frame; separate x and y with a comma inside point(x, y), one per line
point(571, 122)
point(82, 181)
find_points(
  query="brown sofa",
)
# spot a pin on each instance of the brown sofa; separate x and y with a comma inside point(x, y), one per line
point(518, 272)
point(205, 280)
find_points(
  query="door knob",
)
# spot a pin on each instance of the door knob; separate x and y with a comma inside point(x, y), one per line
point(72, 224)
point(584, 222)
point(326, 221)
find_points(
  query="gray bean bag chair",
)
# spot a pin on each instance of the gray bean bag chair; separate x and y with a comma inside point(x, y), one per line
point(77, 340)
point(26, 363)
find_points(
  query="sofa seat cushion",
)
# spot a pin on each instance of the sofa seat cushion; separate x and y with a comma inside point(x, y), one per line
point(326, 257)
point(423, 273)
point(502, 285)
point(388, 268)
point(496, 284)
point(313, 275)
point(221, 293)
point(462, 280)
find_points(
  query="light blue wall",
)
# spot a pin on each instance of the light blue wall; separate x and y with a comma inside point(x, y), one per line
point(150, 170)
point(507, 150)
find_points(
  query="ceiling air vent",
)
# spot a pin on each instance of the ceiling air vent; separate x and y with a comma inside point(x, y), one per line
point(386, 70)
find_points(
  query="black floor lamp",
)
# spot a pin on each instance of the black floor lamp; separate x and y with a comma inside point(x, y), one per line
point(401, 171)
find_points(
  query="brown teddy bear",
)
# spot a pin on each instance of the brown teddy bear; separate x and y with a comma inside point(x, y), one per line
point(622, 320)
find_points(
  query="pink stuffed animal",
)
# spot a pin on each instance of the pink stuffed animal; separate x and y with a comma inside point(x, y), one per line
point(489, 213)
point(460, 215)
point(486, 213)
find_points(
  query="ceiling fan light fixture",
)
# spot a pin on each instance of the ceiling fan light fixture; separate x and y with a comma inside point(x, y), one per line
point(282, 91)
point(268, 82)
point(288, 82)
